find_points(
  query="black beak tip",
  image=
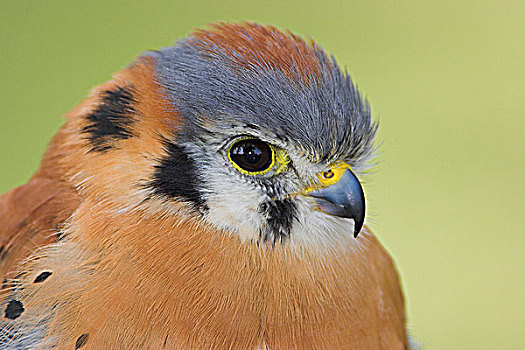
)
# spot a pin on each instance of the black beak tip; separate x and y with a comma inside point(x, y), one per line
point(358, 225)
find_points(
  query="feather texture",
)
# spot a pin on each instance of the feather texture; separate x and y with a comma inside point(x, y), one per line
point(95, 259)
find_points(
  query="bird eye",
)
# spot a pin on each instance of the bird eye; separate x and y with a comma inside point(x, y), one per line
point(252, 156)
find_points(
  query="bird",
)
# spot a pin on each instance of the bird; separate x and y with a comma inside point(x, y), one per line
point(208, 196)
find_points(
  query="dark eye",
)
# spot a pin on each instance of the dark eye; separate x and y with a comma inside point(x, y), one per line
point(252, 155)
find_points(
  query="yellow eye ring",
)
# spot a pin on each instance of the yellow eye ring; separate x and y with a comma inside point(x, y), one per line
point(251, 156)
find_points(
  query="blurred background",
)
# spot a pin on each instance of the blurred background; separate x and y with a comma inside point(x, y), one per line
point(445, 78)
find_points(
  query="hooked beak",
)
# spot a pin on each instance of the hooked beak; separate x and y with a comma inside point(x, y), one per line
point(340, 195)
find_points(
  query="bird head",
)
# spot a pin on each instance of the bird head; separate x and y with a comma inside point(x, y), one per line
point(255, 131)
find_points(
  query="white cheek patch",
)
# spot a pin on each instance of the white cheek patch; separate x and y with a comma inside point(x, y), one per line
point(233, 206)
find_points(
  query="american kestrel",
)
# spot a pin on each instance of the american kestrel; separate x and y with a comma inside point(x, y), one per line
point(205, 198)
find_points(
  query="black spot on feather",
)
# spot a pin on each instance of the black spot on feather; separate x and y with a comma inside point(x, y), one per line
point(3, 252)
point(176, 177)
point(280, 216)
point(14, 309)
point(111, 120)
point(42, 277)
point(81, 341)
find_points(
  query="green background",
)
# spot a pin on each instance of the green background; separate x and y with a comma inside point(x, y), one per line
point(445, 78)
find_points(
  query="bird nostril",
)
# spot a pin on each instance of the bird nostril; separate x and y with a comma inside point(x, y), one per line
point(328, 174)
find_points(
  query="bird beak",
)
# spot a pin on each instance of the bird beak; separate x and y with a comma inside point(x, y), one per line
point(340, 194)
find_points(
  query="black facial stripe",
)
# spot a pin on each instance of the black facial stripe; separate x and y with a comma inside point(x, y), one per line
point(280, 216)
point(176, 177)
point(111, 120)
